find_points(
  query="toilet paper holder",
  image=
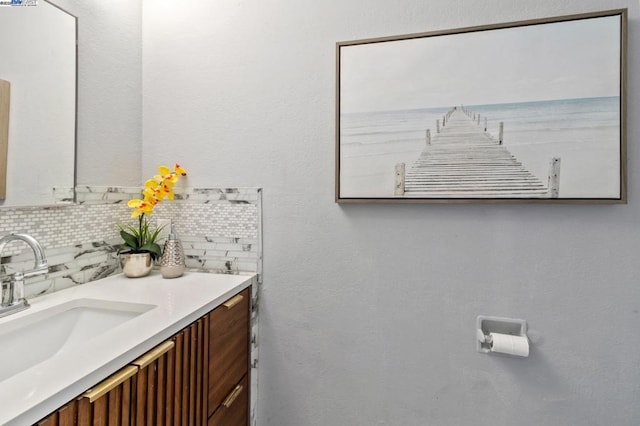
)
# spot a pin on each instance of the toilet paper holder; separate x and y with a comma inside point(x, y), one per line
point(488, 324)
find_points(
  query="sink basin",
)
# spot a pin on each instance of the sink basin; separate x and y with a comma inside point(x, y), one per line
point(34, 338)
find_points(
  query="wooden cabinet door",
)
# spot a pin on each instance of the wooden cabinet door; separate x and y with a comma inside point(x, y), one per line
point(108, 404)
point(152, 407)
point(234, 410)
point(171, 381)
point(228, 347)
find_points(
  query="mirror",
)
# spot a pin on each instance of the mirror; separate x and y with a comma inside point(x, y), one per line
point(39, 65)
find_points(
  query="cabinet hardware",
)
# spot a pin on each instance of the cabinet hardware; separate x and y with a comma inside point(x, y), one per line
point(154, 354)
point(232, 396)
point(233, 301)
point(110, 383)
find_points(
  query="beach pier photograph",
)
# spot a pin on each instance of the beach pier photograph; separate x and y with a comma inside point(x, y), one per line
point(462, 159)
point(529, 110)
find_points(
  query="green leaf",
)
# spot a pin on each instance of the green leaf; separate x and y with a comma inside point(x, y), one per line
point(153, 248)
point(129, 240)
point(154, 236)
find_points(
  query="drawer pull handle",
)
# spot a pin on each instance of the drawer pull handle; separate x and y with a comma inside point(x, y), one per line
point(154, 354)
point(233, 301)
point(110, 383)
point(232, 396)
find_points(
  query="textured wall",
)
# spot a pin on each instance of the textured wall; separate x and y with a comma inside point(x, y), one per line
point(368, 311)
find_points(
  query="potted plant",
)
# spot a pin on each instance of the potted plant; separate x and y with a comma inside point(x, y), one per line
point(140, 240)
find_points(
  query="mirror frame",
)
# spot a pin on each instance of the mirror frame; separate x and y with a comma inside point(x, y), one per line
point(74, 197)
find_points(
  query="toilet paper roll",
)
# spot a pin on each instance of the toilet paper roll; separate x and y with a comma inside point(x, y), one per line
point(507, 344)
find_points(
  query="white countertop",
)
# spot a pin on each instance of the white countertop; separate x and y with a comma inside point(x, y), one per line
point(32, 394)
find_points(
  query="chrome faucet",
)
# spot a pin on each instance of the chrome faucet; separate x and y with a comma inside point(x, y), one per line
point(13, 291)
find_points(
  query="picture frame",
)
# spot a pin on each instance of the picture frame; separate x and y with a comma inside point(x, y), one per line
point(528, 111)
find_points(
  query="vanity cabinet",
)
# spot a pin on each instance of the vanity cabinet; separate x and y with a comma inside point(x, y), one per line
point(198, 377)
point(229, 362)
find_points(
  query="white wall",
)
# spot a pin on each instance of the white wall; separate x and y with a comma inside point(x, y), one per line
point(368, 311)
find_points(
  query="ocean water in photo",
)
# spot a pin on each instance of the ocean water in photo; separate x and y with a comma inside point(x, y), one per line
point(584, 133)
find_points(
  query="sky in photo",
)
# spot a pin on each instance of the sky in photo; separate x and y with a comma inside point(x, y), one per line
point(563, 60)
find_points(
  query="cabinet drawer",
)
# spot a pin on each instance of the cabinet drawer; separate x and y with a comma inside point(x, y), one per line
point(234, 410)
point(228, 347)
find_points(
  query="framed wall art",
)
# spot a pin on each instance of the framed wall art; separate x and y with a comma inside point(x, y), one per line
point(529, 111)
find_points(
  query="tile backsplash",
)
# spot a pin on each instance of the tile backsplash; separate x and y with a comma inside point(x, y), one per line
point(219, 229)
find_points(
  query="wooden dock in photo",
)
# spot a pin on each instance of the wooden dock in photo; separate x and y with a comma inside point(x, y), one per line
point(462, 160)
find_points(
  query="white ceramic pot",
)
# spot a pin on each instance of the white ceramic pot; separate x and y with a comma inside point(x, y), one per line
point(136, 265)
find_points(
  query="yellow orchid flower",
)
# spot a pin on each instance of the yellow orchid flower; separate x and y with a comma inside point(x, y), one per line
point(134, 202)
point(142, 238)
point(149, 193)
point(140, 207)
point(168, 183)
point(165, 175)
point(151, 183)
point(164, 170)
point(179, 170)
